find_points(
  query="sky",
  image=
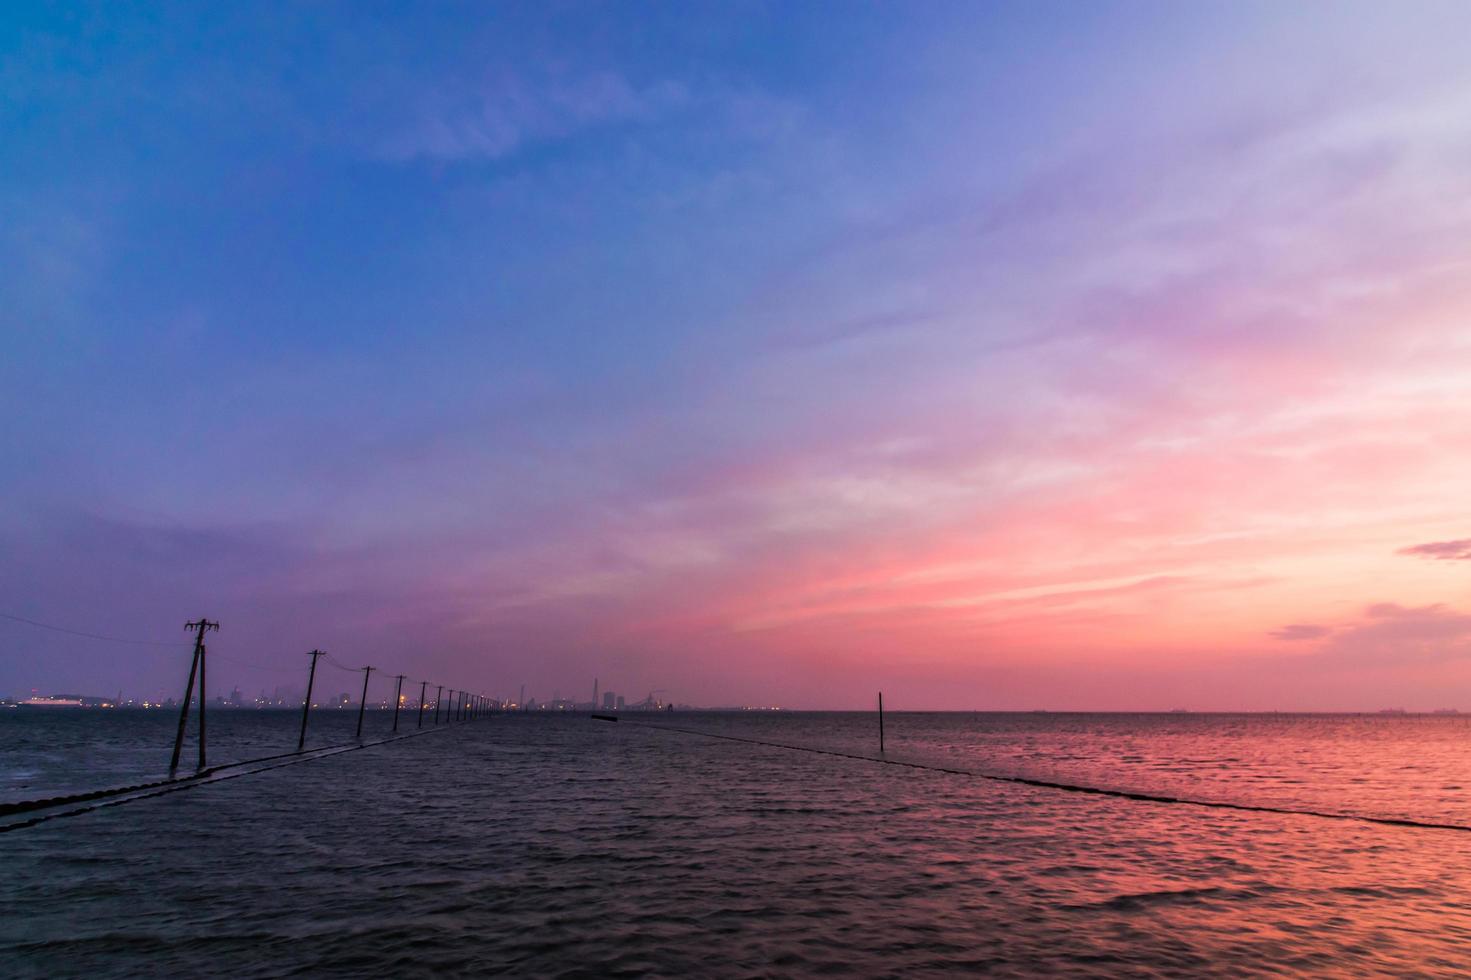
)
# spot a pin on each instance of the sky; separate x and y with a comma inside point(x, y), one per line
point(995, 356)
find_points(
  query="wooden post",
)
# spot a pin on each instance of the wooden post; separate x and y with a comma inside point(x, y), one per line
point(363, 702)
point(881, 723)
point(397, 697)
point(202, 699)
point(184, 711)
point(306, 706)
point(437, 697)
point(423, 686)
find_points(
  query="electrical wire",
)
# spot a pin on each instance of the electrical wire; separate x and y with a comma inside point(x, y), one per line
point(92, 636)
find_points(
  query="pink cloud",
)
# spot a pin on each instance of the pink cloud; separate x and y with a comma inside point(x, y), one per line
point(1459, 550)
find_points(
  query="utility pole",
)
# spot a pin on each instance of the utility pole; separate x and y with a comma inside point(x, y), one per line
point(197, 664)
point(202, 699)
point(363, 704)
point(306, 705)
point(437, 696)
point(397, 697)
point(423, 686)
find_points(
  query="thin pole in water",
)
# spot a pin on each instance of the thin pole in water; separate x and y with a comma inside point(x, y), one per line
point(398, 696)
point(202, 699)
point(306, 706)
point(881, 723)
point(184, 711)
point(437, 696)
point(363, 704)
point(423, 686)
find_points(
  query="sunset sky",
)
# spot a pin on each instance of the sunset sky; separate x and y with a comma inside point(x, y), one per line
point(998, 356)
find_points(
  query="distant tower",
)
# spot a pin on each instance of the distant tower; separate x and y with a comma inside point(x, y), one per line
point(594, 692)
point(522, 702)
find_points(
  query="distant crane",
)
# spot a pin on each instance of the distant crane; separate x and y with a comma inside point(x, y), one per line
point(648, 703)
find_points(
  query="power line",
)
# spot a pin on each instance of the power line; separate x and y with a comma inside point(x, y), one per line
point(90, 636)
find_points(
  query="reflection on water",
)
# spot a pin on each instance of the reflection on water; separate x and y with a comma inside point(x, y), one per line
point(555, 844)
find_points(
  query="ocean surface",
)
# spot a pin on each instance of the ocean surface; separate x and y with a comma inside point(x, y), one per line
point(547, 845)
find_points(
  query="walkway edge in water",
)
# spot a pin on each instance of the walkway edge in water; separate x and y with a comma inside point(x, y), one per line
point(118, 795)
point(1119, 794)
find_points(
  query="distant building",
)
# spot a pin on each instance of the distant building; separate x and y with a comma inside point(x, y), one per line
point(619, 703)
point(610, 699)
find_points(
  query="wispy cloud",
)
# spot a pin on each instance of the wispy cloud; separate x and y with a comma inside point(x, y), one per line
point(509, 112)
point(1389, 635)
point(1458, 550)
point(1301, 631)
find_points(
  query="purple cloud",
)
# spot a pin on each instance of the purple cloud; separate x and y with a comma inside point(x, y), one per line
point(1393, 634)
point(1458, 550)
